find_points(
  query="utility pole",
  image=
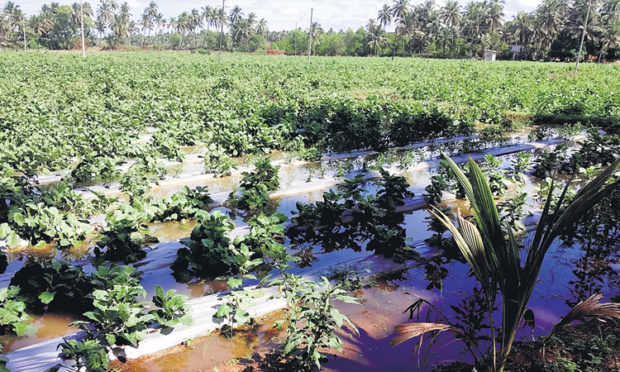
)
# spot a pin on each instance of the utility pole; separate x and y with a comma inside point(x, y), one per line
point(219, 56)
point(310, 36)
point(82, 26)
point(24, 29)
point(583, 35)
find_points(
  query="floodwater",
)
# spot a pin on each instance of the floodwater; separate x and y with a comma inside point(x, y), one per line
point(382, 307)
point(46, 326)
point(440, 280)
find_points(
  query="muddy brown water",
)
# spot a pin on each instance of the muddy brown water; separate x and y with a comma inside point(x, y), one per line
point(48, 326)
point(382, 307)
point(362, 351)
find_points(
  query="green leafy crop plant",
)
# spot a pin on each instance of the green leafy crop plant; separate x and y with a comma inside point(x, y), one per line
point(100, 107)
point(207, 253)
point(252, 194)
point(13, 316)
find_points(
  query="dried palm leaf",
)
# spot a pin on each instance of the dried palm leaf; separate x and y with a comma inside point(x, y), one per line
point(408, 331)
point(591, 308)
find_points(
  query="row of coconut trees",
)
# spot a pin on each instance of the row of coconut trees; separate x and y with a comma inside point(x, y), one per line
point(57, 25)
point(449, 30)
point(482, 23)
point(193, 22)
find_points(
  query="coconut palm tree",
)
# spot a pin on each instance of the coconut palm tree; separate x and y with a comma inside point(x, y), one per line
point(76, 13)
point(385, 16)
point(494, 256)
point(523, 27)
point(18, 23)
point(15, 19)
point(80, 12)
point(105, 15)
point(220, 21)
point(414, 27)
point(235, 16)
point(42, 24)
point(432, 25)
point(181, 24)
point(208, 16)
point(576, 19)
point(261, 27)
point(317, 35)
point(610, 37)
point(4, 27)
point(451, 16)
point(473, 21)
point(251, 19)
point(149, 18)
point(400, 9)
point(376, 39)
point(495, 14)
point(610, 11)
point(245, 30)
point(550, 16)
point(220, 18)
point(122, 26)
point(610, 26)
point(195, 24)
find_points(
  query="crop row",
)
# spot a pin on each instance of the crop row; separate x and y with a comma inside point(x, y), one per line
point(99, 107)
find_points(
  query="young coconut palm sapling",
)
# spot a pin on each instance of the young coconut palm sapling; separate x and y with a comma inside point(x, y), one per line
point(492, 252)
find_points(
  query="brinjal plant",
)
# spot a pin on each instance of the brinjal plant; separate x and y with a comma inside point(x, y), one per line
point(89, 354)
point(494, 174)
point(235, 303)
point(53, 286)
point(92, 168)
point(125, 235)
point(207, 253)
point(312, 321)
point(182, 205)
point(216, 161)
point(13, 316)
point(171, 309)
point(252, 194)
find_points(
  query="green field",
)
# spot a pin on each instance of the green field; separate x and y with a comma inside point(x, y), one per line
point(55, 107)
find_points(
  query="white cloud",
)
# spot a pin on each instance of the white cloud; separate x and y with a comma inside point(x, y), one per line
point(285, 14)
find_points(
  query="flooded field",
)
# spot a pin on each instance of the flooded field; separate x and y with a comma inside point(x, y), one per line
point(435, 276)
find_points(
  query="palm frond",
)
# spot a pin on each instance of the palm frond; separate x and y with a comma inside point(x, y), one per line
point(591, 308)
point(472, 255)
point(408, 331)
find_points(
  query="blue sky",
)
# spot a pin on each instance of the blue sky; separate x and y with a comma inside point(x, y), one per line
point(285, 14)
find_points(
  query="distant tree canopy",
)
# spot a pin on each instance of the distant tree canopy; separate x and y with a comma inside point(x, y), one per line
point(552, 31)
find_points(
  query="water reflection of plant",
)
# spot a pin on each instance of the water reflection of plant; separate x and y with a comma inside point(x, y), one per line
point(492, 252)
point(467, 326)
point(597, 235)
point(347, 217)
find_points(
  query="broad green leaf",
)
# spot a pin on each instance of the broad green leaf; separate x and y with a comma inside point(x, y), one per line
point(46, 297)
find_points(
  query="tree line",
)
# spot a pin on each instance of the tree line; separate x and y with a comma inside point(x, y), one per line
point(552, 31)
